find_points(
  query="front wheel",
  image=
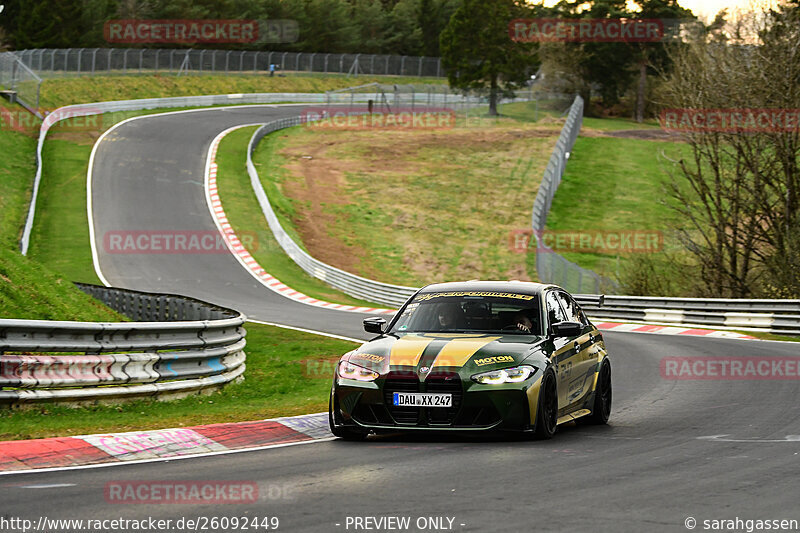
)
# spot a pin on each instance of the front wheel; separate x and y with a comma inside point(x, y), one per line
point(547, 409)
point(339, 431)
point(601, 410)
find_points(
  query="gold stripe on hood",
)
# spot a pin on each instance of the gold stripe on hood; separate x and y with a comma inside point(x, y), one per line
point(407, 350)
point(458, 351)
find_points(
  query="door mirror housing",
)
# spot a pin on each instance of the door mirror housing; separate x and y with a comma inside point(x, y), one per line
point(374, 324)
point(566, 329)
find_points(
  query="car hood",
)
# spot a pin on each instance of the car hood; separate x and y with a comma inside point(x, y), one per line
point(444, 352)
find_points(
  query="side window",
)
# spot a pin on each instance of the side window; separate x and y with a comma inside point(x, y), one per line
point(573, 310)
point(554, 311)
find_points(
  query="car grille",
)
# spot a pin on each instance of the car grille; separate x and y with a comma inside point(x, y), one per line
point(401, 382)
point(441, 382)
point(444, 383)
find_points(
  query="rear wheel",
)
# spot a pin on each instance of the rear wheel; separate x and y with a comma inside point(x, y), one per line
point(547, 409)
point(341, 432)
point(601, 410)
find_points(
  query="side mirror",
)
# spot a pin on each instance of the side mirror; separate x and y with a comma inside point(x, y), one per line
point(374, 324)
point(566, 329)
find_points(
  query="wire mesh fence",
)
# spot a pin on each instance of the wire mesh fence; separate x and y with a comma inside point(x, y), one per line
point(102, 61)
point(551, 266)
point(20, 80)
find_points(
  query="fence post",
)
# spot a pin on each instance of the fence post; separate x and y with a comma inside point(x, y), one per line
point(141, 60)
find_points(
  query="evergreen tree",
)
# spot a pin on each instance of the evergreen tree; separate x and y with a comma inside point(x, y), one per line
point(478, 52)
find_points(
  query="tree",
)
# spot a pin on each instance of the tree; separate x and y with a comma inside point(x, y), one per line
point(478, 52)
point(432, 18)
point(739, 192)
point(653, 57)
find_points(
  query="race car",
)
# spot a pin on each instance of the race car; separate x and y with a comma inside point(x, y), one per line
point(475, 356)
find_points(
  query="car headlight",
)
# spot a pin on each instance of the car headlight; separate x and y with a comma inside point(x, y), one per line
point(348, 370)
point(515, 374)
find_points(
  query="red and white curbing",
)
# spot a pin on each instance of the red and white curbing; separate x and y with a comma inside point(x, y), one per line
point(670, 330)
point(240, 252)
point(139, 446)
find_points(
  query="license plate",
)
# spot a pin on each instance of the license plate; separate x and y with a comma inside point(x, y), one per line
point(420, 399)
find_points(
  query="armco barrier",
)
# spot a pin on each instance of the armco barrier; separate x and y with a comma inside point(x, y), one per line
point(773, 316)
point(177, 345)
point(355, 286)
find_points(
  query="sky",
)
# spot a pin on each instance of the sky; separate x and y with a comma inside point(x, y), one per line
point(706, 9)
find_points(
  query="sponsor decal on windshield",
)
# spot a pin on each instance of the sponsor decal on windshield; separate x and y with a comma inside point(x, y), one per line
point(514, 296)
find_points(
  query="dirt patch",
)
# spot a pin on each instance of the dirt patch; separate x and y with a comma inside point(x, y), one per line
point(643, 135)
point(77, 137)
point(322, 183)
point(417, 206)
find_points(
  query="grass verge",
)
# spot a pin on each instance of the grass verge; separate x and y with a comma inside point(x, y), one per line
point(413, 206)
point(65, 91)
point(244, 214)
point(28, 290)
point(288, 373)
point(613, 186)
point(17, 169)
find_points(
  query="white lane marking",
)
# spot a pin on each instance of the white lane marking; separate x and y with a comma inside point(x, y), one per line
point(722, 438)
point(160, 460)
point(89, 210)
point(304, 330)
point(50, 486)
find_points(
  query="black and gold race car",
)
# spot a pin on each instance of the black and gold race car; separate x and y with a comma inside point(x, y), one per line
point(476, 355)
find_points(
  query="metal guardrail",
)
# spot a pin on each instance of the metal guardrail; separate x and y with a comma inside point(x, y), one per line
point(346, 282)
point(178, 345)
point(551, 266)
point(773, 316)
point(99, 61)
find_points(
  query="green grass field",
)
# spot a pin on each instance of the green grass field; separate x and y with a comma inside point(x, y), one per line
point(17, 170)
point(411, 207)
point(288, 373)
point(29, 290)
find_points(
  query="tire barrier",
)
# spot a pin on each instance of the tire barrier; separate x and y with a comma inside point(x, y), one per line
point(176, 345)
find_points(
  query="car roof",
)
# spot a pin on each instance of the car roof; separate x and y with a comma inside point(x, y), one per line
point(524, 287)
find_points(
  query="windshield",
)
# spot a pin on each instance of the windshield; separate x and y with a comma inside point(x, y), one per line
point(471, 311)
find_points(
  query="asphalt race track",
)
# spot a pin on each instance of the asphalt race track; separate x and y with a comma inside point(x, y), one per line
point(673, 450)
point(148, 176)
